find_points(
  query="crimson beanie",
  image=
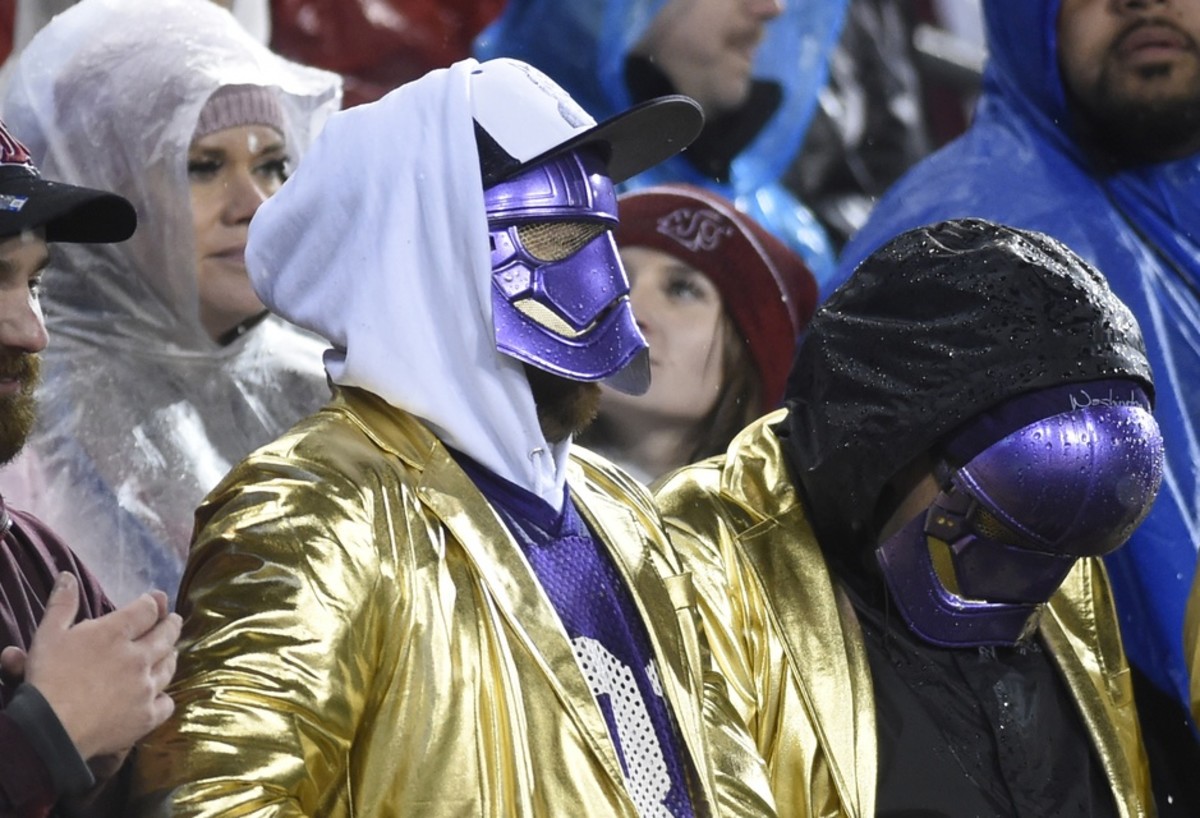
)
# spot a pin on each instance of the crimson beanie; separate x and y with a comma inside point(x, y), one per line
point(767, 289)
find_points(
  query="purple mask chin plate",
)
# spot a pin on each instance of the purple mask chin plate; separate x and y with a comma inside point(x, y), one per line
point(1015, 519)
point(938, 615)
point(564, 308)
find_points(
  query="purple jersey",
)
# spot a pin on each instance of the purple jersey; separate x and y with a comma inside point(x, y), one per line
point(609, 639)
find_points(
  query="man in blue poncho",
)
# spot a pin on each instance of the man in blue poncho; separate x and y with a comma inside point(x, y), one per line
point(1089, 129)
point(755, 67)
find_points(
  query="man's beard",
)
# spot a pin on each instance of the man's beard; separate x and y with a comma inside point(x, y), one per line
point(564, 407)
point(1133, 131)
point(19, 411)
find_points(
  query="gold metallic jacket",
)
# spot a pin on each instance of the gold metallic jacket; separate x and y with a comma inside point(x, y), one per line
point(364, 638)
point(788, 641)
point(1191, 644)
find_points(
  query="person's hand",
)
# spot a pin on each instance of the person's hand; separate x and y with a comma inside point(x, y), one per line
point(104, 678)
point(12, 671)
point(12, 665)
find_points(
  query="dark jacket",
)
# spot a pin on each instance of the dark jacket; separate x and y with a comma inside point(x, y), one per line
point(38, 763)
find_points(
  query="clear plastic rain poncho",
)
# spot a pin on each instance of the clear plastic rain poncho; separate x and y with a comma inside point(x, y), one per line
point(141, 413)
point(583, 45)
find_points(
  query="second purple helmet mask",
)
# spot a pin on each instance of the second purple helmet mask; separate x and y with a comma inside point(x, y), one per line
point(560, 296)
point(1006, 528)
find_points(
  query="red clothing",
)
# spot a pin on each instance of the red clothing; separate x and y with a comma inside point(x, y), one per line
point(31, 556)
point(381, 44)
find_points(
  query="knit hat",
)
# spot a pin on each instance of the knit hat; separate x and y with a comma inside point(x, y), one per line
point(233, 105)
point(767, 289)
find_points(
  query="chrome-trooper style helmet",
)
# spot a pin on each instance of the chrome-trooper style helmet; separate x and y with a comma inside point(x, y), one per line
point(1006, 528)
point(560, 297)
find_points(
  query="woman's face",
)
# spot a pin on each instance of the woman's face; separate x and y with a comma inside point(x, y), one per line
point(230, 173)
point(679, 311)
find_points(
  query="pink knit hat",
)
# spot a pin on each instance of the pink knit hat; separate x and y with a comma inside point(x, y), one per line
point(767, 289)
point(234, 105)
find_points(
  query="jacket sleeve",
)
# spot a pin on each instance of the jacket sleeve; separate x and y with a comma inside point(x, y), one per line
point(26, 786)
point(740, 781)
point(740, 773)
point(728, 617)
point(278, 649)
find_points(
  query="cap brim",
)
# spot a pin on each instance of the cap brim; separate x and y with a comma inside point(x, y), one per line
point(68, 213)
point(633, 140)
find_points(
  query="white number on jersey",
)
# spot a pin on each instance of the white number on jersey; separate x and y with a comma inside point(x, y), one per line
point(646, 774)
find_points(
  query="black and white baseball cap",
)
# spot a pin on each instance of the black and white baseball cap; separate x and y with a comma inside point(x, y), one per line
point(526, 118)
point(67, 212)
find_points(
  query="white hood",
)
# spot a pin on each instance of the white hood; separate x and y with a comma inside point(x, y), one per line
point(379, 243)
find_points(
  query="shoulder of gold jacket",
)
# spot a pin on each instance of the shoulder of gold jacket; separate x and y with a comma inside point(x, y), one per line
point(299, 593)
point(335, 479)
point(593, 476)
point(750, 482)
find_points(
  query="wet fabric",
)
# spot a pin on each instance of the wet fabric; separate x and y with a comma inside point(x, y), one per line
point(1018, 164)
point(607, 635)
point(997, 729)
point(585, 46)
point(141, 413)
point(940, 325)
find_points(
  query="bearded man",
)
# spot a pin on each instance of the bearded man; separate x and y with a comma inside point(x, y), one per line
point(1088, 129)
point(79, 682)
point(421, 601)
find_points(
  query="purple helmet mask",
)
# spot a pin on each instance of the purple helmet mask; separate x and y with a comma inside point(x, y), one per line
point(560, 296)
point(1009, 525)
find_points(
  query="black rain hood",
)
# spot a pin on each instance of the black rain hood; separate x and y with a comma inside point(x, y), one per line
point(939, 325)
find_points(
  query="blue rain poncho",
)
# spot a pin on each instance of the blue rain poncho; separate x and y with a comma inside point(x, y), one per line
point(1018, 164)
point(583, 45)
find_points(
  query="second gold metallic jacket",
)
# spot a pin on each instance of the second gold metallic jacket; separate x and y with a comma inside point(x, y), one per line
point(364, 638)
point(788, 641)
